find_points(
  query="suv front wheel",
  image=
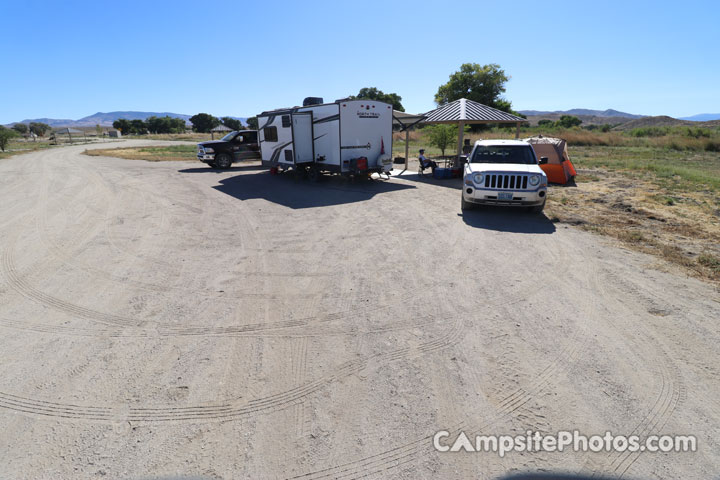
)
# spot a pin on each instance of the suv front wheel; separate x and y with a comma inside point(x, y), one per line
point(537, 208)
point(465, 205)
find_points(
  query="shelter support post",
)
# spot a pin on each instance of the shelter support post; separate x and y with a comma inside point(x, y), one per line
point(461, 128)
point(407, 147)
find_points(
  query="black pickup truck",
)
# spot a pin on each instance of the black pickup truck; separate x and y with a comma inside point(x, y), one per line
point(233, 147)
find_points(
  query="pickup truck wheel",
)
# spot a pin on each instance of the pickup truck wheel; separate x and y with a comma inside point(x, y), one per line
point(464, 205)
point(223, 160)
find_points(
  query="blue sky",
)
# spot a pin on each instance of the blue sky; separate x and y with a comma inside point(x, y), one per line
point(71, 59)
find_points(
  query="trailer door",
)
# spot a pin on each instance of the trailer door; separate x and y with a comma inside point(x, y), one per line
point(302, 130)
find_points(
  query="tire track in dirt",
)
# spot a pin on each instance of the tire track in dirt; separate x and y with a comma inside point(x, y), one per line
point(672, 387)
point(232, 409)
point(30, 292)
point(390, 460)
point(108, 188)
point(298, 350)
point(21, 286)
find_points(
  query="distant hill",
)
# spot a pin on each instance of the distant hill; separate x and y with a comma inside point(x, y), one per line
point(609, 113)
point(53, 122)
point(702, 117)
point(106, 119)
point(664, 121)
point(588, 117)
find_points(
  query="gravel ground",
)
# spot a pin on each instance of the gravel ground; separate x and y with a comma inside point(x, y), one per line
point(164, 320)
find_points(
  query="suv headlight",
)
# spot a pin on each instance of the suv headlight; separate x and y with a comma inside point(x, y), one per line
point(478, 178)
point(534, 180)
point(209, 150)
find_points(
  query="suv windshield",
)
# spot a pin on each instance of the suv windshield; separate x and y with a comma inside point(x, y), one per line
point(520, 154)
point(229, 136)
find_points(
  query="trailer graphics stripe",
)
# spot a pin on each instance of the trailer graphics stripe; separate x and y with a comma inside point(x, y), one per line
point(351, 147)
point(276, 152)
point(331, 118)
point(271, 119)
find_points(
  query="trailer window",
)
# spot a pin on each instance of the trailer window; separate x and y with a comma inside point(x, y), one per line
point(270, 134)
point(286, 121)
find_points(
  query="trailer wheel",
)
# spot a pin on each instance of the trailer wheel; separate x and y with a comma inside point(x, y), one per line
point(298, 173)
point(313, 173)
point(223, 160)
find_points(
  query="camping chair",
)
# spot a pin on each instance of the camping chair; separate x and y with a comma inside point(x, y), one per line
point(422, 168)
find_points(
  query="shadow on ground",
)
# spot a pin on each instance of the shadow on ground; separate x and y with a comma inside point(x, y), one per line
point(555, 476)
point(508, 219)
point(241, 168)
point(293, 192)
point(413, 176)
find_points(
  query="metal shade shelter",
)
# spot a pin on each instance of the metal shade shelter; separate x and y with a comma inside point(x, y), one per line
point(464, 111)
point(218, 129)
point(69, 132)
point(406, 121)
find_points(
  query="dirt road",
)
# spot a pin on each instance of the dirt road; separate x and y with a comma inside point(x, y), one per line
point(162, 320)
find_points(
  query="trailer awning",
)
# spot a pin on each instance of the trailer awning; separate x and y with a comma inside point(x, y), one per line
point(406, 120)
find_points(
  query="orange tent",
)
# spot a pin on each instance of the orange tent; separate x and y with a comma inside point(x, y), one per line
point(559, 168)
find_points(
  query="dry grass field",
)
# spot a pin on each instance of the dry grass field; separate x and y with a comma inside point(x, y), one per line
point(173, 153)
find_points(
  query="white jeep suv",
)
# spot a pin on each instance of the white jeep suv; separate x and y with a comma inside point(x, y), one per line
point(504, 172)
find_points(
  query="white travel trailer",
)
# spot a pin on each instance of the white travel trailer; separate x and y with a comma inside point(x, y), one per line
point(350, 137)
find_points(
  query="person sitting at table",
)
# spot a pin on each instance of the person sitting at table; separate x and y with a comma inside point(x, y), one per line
point(426, 163)
point(467, 148)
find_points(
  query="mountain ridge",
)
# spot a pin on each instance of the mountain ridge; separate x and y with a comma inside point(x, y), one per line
point(106, 119)
point(702, 117)
point(608, 113)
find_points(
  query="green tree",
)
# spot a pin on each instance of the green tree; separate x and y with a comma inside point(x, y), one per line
point(442, 136)
point(165, 124)
point(138, 127)
point(20, 128)
point(177, 125)
point(98, 130)
point(203, 122)
point(5, 135)
point(232, 123)
point(545, 123)
point(481, 83)
point(39, 128)
point(156, 124)
point(252, 123)
point(123, 125)
point(568, 121)
point(372, 93)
